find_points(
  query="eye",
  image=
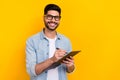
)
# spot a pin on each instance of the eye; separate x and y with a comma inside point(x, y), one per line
point(49, 17)
point(57, 17)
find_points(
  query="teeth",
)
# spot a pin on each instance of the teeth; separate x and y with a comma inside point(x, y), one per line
point(52, 24)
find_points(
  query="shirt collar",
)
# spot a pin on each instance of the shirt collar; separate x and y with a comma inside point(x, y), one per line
point(42, 35)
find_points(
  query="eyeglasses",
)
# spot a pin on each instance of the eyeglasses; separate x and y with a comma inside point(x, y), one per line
point(50, 17)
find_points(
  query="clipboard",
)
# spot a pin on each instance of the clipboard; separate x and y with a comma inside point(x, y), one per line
point(72, 53)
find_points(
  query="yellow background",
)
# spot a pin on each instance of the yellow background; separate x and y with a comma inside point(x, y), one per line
point(93, 26)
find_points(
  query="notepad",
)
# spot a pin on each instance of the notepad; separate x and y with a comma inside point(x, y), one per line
point(72, 53)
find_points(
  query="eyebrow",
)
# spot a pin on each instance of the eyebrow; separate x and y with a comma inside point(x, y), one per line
point(52, 15)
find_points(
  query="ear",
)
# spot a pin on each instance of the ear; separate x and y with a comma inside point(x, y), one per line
point(43, 17)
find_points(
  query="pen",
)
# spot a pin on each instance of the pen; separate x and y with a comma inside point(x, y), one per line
point(57, 48)
point(65, 52)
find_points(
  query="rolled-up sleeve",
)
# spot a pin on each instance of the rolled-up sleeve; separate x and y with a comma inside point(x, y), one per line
point(30, 58)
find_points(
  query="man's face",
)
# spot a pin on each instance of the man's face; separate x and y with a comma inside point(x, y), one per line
point(52, 20)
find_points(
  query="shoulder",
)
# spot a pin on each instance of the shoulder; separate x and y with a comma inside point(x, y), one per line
point(63, 37)
point(34, 37)
point(65, 41)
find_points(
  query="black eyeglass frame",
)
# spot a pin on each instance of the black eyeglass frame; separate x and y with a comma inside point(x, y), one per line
point(50, 17)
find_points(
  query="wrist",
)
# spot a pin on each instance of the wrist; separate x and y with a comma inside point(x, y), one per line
point(52, 59)
point(70, 68)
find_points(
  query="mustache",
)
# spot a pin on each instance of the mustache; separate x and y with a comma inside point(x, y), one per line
point(52, 22)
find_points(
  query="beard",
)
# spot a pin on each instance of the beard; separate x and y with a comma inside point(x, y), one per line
point(52, 26)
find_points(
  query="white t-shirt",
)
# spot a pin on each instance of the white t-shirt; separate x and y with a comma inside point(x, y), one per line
point(52, 73)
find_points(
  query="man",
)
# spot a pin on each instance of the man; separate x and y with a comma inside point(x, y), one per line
point(47, 47)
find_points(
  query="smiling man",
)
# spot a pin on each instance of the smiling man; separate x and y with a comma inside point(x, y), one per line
point(47, 47)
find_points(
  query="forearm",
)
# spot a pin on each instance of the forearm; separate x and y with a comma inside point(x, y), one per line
point(70, 68)
point(39, 68)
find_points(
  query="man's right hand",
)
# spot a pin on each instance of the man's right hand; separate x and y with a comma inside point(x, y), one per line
point(58, 55)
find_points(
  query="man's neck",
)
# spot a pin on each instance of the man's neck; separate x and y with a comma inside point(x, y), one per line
point(49, 33)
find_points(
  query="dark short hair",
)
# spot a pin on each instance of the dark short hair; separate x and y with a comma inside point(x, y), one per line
point(52, 7)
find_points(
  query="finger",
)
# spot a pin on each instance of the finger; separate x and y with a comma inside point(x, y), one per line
point(61, 51)
point(60, 54)
point(71, 57)
point(68, 59)
point(66, 62)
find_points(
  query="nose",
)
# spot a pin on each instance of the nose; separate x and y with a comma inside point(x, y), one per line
point(53, 19)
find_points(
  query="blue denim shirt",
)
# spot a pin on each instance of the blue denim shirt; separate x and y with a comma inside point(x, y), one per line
point(37, 50)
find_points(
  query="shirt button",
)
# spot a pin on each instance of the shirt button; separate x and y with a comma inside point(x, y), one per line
point(47, 53)
point(45, 71)
point(47, 44)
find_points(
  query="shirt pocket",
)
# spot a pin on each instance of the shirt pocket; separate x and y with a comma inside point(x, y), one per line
point(62, 45)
